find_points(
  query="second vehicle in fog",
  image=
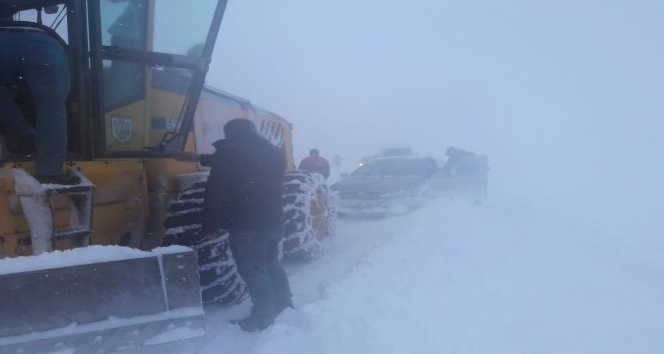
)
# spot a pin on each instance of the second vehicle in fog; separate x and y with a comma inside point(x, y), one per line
point(386, 185)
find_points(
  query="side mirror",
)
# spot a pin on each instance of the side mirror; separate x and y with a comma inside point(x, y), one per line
point(51, 9)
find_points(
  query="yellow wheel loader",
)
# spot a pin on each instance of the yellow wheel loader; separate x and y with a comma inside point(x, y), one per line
point(82, 267)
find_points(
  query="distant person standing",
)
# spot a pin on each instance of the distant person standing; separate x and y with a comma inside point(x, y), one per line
point(315, 163)
point(337, 161)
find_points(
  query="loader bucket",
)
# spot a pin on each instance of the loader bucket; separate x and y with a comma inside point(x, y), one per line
point(99, 299)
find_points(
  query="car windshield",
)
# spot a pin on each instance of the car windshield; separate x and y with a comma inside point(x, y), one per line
point(392, 168)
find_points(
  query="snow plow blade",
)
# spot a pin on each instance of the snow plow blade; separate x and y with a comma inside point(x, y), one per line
point(56, 302)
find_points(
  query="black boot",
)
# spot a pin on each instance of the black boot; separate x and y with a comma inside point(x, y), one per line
point(256, 322)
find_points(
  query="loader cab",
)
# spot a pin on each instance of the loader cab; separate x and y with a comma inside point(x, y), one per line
point(137, 68)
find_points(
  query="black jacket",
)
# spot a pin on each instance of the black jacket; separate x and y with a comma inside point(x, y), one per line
point(244, 190)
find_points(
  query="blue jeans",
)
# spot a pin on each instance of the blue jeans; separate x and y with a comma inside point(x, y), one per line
point(42, 62)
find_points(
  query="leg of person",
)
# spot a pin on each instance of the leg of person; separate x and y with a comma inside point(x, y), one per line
point(46, 70)
point(280, 285)
point(249, 249)
point(19, 133)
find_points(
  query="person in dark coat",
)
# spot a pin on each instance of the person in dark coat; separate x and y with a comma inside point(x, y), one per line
point(316, 163)
point(244, 196)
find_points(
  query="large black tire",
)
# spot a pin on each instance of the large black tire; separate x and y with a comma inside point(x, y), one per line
point(220, 281)
point(310, 212)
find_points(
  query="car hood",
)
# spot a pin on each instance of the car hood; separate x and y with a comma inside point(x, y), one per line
point(376, 186)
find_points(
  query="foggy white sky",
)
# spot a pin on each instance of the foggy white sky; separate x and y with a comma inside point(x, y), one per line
point(566, 97)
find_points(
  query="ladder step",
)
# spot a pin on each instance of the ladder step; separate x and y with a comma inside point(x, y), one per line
point(70, 232)
point(69, 189)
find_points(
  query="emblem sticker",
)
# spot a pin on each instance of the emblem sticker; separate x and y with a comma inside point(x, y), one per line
point(122, 127)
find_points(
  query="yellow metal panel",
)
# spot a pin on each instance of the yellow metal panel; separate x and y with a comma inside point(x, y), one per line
point(132, 115)
point(120, 208)
point(165, 105)
point(120, 197)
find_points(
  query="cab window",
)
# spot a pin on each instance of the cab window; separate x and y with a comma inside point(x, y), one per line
point(149, 58)
point(123, 25)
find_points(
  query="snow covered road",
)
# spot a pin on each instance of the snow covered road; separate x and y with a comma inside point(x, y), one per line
point(456, 278)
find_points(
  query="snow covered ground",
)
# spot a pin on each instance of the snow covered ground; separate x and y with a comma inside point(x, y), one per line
point(457, 278)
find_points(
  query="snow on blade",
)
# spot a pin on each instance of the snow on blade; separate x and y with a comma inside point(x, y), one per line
point(78, 256)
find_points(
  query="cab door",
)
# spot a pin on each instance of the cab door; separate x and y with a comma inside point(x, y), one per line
point(149, 59)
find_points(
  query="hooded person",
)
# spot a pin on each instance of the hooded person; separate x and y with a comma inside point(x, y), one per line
point(244, 196)
point(315, 163)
